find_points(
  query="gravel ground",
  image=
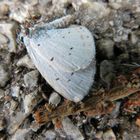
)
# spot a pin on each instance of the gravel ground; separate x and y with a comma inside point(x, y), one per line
point(115, 26)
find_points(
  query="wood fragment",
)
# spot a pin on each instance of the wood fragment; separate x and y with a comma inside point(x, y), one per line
point(96, 103)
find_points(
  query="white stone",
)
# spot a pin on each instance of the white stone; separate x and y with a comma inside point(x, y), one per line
point(4, 9)
point(3, 40)
point(9, 30)
point(19, 12)
point(31, 79)
point(2, 123)
point(13, 105)
point(15, 90)
point(20, 134)
point(26, 62)
point(30, 101)
point(4, 75)
point(54, 99)
point(1, 93)
point(109, 135)
point(71, 130)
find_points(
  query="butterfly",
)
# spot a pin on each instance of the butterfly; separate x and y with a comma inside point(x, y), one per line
point(65, 57)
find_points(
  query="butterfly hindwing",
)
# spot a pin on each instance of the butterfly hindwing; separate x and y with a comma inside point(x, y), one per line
point(73, 86)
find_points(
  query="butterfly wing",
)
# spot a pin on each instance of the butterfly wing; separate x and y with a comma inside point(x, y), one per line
point(73, 86)
point(70, 49)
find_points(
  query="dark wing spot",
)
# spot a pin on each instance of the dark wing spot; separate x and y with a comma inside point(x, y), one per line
point(52, 59)
point(63, 36)
point(57, 79)
point(72, 73)
point(69, 80)
point(71, 48)
point(68, 32)
point(87, 36)
point(38, 44)
point(69, 53)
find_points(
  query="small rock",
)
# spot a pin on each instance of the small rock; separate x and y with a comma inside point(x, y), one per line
point(91, 11)
point(133, 38)
point(19, 12)
point(14, 105)
point(4, 75)
point(54, 99)
point(50, 135)
point(98, 135)
point(89, 130)
point(14, 120)
point(2, 123)
point(71, 130)
point(33, 2)
point(3, 40)
point(34, 126)
point(115, 5)
point(31, 79)
point(116, 110)
point(126, 136)
point(122, 34)
point(15, 90)
point(126, 17)
point(105, 48)
point(20, 134)
point(1, 93)
point(138, 121)
point(9, 30)
point(26, 62)
point(31, 100)
point(4, 9)
point(107, 72)
point(109, 135)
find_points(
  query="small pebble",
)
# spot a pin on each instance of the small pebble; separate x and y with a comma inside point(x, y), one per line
point(4, 75)
point(19, 12)
point(109, 135)
point(4, 9)
point(26, 62)
point(133, 38)
point(50, 135)
point(9, 30)
point(2, 123)
point(1, 94)
point(31, 79)
point(116, 110)
point(31, 100)
point(138, 121)
point(15, 90)
point(106, 48)
point(21, 134)
point(54, 99)
point(98, 135)
point(3, 40)
point(71, 130)
point(14, 105)
point(107, 72)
